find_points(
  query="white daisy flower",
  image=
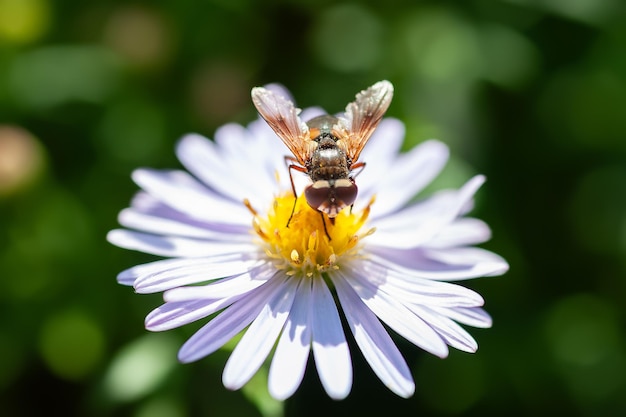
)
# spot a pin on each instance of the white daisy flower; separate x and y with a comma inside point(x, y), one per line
point(223, 226)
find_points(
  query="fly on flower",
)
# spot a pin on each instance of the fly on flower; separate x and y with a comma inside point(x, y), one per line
point(393, 264)
point(326, 148)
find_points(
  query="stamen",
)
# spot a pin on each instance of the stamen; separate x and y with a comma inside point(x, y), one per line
point(306, 247)
point(246, 203)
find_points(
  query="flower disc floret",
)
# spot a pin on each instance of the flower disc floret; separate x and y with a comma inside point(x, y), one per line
point(308, 243)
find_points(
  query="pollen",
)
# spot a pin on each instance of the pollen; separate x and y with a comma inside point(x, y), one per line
point(310, 243)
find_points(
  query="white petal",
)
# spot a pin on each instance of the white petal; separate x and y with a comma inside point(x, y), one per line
point(417, 224)
point(485, 263)
point(409, 287)
point(462, 232)
point(398, 317)
point(176, 314)
point(407, 176)
point(472, 316)
point(375, 343)
point(330, 349)
point(135, 219)
point(158, 214)
point(182, 192)
point(234, 166)
point(223, 288)
point(453, 334)
point(129, 275)
point(196, 271)
point(294, 345)
point(229, 322)
point(125, 280)
point(175, 247)
point(380, 154)
point(418, 263)
point(260, 337)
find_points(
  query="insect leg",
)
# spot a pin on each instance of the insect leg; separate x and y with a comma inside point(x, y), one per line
point(360, 166)
point(291, 166)
point(332, 221)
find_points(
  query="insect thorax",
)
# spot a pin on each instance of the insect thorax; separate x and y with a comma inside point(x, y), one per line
point(322, 125)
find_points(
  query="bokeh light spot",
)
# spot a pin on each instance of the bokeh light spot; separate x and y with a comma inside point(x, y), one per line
point(583, 334)
point(23, 21)
point(55, 75)
point(140, 367)
point(586, 107)
point(588, 11)
point(441, 46)
point(52, 234)
point(510, 60)
point(161, 407)
point(71, 344)
point(582, 330)
point(218, 91)
point(21, 159)
point(347, 38)
point(258, 394)
point(139, 35)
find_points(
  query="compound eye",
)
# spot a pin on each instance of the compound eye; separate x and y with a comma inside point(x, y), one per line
point(345, 192)
point(318, 195)
point(331, 198)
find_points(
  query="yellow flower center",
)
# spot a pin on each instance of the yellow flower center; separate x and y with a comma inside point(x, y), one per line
point(311, 243)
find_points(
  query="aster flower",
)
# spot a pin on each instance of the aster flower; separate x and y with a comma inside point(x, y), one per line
point(222, 226)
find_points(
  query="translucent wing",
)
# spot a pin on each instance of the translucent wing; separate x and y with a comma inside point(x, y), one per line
point(362, 116)
point(282, 117)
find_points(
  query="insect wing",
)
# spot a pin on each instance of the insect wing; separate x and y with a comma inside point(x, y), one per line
point(282, 116)
point(362, 117)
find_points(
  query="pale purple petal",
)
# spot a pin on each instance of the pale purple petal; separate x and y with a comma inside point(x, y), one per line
point(292, 352)
point(146, 204)
point(375, 343)
point(417, 224)
point(182, 192)
point(254, 180)
point(229, 322)
point(330, 349)
point(453, 334)
point(485, 263)
point(423, 263)
point(129, 275)
point(461, 232)
point(398, 317)
point(411, 288)
point(175, 247)
point(380, 155)
point(260, 337)
point(471, 316)
point(180, 226)
point(176, 314)
point(408, 175)
point(225, 287)
point(196, 271)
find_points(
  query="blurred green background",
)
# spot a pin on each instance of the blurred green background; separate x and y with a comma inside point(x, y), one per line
point(531, 93)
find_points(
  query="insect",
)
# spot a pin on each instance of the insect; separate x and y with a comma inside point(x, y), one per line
point(326, 148)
